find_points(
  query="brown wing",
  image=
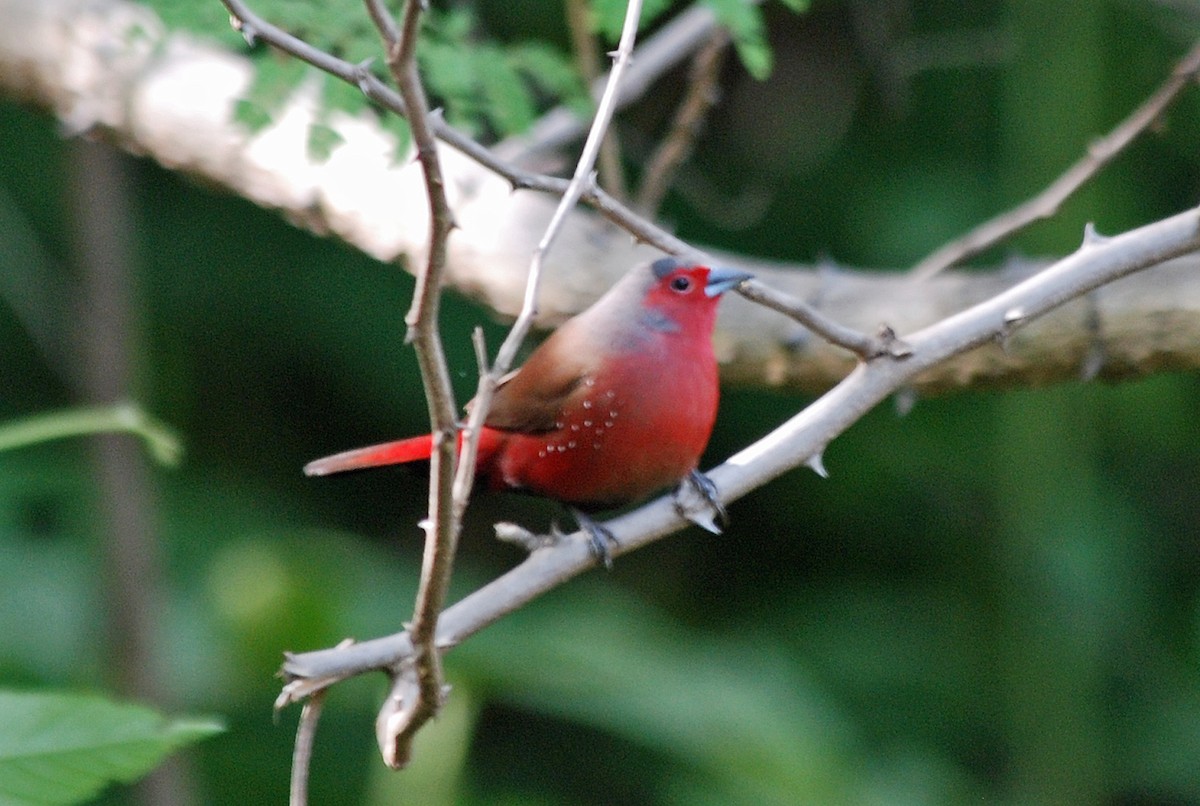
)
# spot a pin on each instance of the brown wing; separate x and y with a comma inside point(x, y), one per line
point(531, 400)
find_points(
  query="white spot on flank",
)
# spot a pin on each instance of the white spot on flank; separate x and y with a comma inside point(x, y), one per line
point(587, 404)
point(571, 444)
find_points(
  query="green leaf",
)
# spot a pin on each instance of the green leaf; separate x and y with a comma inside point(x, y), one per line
point(798, 6)
point(609, 16)
point(59, 748)
point(274, 82)
point(549, 70)
point(163, 443)
point(748, 29)
point(507, 98)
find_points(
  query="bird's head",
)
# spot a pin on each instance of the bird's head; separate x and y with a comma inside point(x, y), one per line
point(678, 286)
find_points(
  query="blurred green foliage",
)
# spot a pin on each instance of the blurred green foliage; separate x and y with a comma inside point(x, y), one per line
point(64, 748)
point(993, 598)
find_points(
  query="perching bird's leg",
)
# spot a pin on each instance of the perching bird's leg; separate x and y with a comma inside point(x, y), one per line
point(600, 539)
point(707, 512)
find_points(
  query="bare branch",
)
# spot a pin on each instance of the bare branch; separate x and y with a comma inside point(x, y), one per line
point(306, 734)
point(587, 60)
point(702, 94)
point(864, 346)
point(423, 681)
point(1045, 204)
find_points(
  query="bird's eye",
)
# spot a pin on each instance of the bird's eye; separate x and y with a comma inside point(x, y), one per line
point(681, 284)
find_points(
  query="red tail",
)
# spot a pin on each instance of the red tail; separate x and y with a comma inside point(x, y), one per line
point(413, 449)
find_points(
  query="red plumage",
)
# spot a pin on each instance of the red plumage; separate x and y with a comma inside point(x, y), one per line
point(616, 404)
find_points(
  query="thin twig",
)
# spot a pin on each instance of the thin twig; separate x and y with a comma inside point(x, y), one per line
point(864, 346)
point(702, 94)
point(587, 60)
point(1045, 204)
point(443, 524)
point(306, 734)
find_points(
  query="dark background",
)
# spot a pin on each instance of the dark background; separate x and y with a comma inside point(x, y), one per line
point(992, 599)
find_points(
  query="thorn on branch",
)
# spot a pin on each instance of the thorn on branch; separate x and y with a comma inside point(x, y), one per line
point(890, 344)
point(518, 535)
point(816, 463)
point(300, 688)
point(698, 500)
point(1013, 318)
point(1091, 237)
point(363, 75)
point(245, 29)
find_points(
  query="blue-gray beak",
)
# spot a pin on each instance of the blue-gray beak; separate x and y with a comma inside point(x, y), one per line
point(722, 279)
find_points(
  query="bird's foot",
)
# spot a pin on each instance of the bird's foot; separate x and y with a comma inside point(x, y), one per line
point(600, 540)
point(696, 499)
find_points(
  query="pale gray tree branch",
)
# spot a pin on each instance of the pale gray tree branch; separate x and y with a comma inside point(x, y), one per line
point(423, 680)
point(110, 67)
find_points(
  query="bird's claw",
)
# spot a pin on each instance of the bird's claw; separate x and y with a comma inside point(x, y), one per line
point(708, 513)
point(601, 541)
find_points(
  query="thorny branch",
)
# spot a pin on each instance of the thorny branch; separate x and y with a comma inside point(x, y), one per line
point(799, 441)
point(864, 346)
point(424, 681)
point(1099, 154)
